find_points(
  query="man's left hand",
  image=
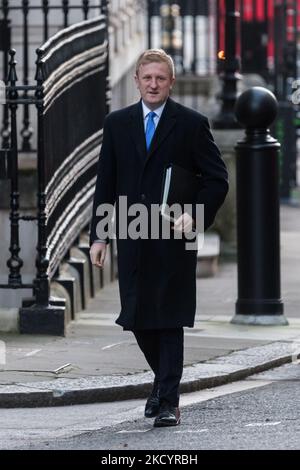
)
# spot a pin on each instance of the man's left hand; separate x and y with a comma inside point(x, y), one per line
point(184, 223)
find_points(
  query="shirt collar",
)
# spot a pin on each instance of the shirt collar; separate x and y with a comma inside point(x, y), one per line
point(158, 111)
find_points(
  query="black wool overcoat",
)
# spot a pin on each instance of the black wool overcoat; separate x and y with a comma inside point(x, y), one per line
point(157, 277)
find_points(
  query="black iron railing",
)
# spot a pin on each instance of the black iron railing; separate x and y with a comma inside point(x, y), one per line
point(71, 98)
point(26, 10)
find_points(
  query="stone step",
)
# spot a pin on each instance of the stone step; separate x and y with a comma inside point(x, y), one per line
point(208, 255)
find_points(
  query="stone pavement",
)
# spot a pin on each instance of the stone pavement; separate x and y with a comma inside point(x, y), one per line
point(97, 361)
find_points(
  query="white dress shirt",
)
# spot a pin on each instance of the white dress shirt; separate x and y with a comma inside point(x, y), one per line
point(158, 113)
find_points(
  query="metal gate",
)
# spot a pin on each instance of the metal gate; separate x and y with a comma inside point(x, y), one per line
point(71, 99)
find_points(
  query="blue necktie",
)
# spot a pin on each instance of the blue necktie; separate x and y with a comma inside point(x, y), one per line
point(150, 128)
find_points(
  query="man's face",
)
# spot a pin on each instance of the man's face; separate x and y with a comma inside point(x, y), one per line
point(154, 82)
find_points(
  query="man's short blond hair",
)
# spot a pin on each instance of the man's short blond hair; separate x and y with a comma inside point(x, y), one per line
point(155, 55)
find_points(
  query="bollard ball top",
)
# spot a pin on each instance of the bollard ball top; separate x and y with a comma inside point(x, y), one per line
point(256, 108)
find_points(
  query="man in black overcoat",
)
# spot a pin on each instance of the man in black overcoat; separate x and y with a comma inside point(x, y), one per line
point(157, 276)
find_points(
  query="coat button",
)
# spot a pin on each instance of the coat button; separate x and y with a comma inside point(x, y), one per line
point(143, 197)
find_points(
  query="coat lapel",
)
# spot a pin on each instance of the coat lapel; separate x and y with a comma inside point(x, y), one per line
point(136, 123)
point(165, 125)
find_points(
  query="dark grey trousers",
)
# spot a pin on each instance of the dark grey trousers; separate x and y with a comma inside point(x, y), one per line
point(163, 350)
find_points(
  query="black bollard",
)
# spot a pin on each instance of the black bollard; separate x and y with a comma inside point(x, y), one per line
point(258, 228)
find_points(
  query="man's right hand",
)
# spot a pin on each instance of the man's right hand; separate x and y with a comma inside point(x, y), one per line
point(98, 253)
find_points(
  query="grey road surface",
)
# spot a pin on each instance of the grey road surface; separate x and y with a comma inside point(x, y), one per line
point(262, 412)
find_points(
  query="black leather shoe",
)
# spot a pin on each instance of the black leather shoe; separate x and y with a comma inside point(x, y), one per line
point(152, 404)
point(168, 416)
